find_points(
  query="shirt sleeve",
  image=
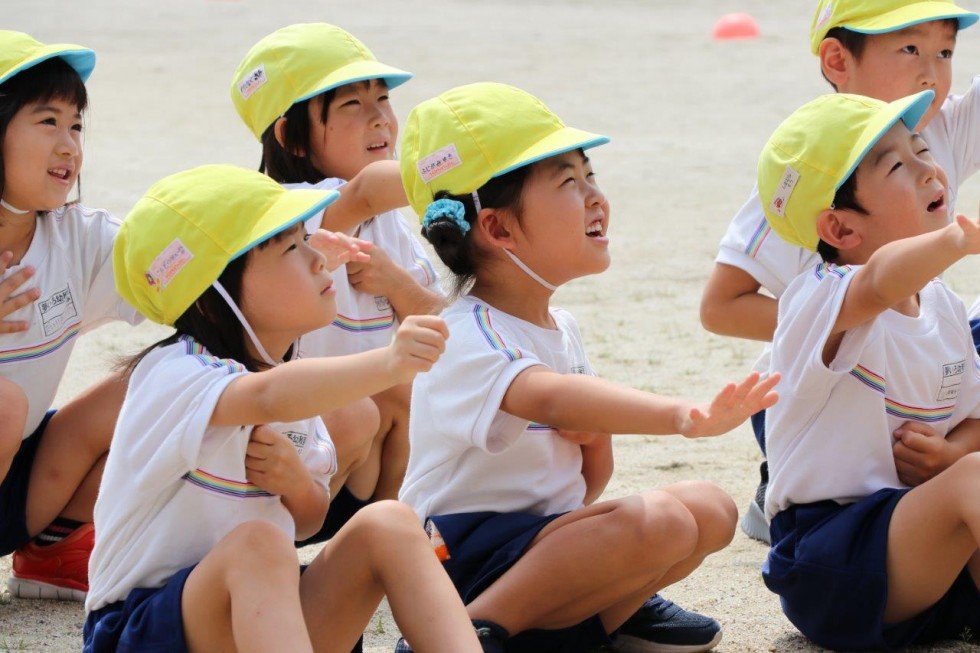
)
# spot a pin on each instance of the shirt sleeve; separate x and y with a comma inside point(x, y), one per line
point(751, 245)
point(167, 414)
point(961, 116)
point(102, 302)
point(807, 313)
point(462, 393)
point(330, 183)
point(407, 251)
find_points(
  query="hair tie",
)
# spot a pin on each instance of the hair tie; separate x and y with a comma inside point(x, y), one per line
point(446, 209)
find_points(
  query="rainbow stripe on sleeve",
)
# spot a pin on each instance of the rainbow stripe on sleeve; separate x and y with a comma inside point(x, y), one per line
point(43, 349)
point(759, 237)
point(364, 326)
point(225, 486)
point(482, 315)
point(874, 381)
point(198, 351)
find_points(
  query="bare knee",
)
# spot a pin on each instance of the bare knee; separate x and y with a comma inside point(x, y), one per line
point(965, 475)
point(655, 527)
point(257, 546)
point(713, 510)
point(385, 521)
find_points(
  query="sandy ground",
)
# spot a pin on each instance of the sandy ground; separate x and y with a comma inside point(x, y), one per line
point(687, 117)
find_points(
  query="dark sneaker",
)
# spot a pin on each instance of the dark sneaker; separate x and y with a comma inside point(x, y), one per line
point(754, 523)
point(491, 636)
point(660, 626)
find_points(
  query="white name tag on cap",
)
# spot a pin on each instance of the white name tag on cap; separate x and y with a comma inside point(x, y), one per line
point(783, 191)
point(252, 82)
point(439, 163)
point(167, 264)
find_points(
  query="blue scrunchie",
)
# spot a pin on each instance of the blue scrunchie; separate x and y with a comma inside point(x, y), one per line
point(446, 209)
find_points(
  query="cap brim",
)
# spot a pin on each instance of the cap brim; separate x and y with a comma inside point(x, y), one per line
point(561, 141)
point(359, 71)
point(909, 110)
point(79, 58)
point(292, 207)
point(913, 14)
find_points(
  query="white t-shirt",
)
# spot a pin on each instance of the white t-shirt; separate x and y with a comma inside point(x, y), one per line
point(366, 321)
point(953, 136)
point(467, 455)
point(173, 484)
point(830, 436)
point(71, 253)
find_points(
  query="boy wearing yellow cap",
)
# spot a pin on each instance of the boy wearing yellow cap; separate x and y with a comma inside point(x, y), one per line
point(886, 49)
point(866, 341)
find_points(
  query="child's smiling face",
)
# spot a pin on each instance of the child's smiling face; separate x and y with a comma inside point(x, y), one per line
point(42, 155)
point(360, 128)
point(565, 220)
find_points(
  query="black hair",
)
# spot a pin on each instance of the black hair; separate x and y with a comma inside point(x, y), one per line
point(52, 79)
point(856, 42)
point(456, 249)
point(212, 323)
point(282, 161)
point(844, 199)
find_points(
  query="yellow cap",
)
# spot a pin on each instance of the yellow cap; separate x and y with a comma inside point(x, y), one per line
point(462, 139)
point(816, 149)
point(298, 62)
point(19, 51)
point(185, 230)
point(880, 16)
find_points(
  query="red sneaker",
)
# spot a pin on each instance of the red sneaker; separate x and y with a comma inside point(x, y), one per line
point(58, 571)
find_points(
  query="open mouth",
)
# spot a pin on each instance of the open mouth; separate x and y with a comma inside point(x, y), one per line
point(937, 203)
point(594, 230)
point(378, 146)
point(60, 173)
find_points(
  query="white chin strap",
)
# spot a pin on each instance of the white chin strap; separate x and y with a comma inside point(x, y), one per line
point(531, 273)
point(248, 327)
point(13, 209)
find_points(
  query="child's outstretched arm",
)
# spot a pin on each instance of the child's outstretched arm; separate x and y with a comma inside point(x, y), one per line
point(899, 269)
point(577, 402)
point(9, 301)
point(303, 388)
point(731, 305)
point(376, 189)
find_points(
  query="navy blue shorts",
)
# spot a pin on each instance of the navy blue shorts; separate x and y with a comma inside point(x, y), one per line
point(975, 328)
point(342, 508)
point(13, 492)
point(759, 429)
point(484, 545)
point(828, 566)
point(148, 620)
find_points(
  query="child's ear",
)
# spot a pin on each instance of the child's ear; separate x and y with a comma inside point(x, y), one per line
point(835, 61)
point(279, 129)
point(834, 228)
point(494, 226)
